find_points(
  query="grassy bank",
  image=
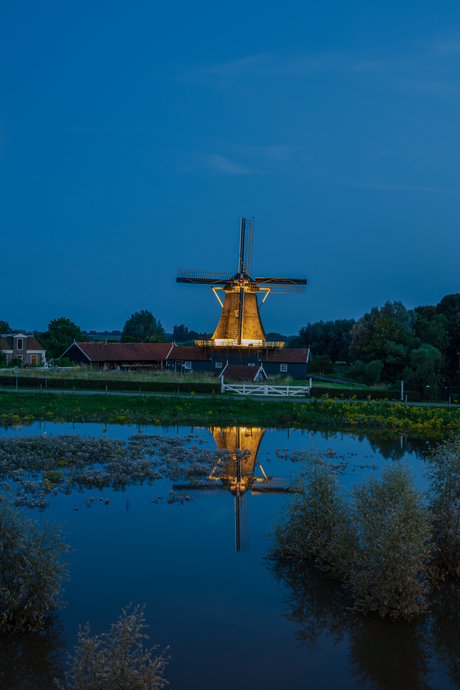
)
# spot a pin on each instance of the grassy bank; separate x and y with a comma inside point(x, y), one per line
point(223, 411)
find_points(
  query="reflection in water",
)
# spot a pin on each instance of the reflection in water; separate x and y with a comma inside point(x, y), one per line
point(382, 655)
point(236, 472)
point(32, 661)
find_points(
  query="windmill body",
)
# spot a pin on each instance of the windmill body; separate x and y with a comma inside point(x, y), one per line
point(240, 324)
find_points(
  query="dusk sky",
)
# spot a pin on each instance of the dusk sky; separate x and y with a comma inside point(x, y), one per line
point(133, 137)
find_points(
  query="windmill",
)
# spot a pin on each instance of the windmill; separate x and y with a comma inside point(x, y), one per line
point(239, 323)
point(238, 478)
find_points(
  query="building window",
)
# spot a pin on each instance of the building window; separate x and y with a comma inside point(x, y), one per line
point(188, 365)
point(283, 367)
point(218, 365)
point(251, 364)
point(19, 345)
point(33, 359)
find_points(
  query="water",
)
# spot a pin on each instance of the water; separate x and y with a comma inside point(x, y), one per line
point(230, 617)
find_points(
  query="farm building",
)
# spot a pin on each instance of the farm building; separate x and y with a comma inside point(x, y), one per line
point(179, 358)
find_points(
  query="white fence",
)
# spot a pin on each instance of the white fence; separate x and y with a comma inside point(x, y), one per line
point(265, 389)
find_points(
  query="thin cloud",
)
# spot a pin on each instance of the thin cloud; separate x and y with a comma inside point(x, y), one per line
point(395, 187)
point(225, 166)
point(429, 67)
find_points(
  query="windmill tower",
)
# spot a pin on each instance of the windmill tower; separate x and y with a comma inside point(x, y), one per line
point(240, 324)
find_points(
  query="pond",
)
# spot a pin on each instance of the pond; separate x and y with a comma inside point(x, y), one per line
point(197, 559)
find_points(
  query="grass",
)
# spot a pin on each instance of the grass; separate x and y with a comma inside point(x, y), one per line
point(224, 411)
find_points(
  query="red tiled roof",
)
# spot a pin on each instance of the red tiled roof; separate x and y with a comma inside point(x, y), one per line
point(240, 371)
point(33, 344)
point(126, 352)
point(286, 355)
point(188, 353)
point(5, 343)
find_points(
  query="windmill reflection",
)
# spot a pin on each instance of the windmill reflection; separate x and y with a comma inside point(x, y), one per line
point(238, 472)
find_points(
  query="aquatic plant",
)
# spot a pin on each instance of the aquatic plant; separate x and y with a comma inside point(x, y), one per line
point(39, 467)
point(389, 570)
point(377, 540)
point(315, 525)
point(116, 660)
point(31, 569)
point(443, 474)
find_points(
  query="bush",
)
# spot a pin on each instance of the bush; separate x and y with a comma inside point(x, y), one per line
point(378, 542)
point(64, 362)
point(116, 660)
point(31, 571)
point(390, 572)
point(368, 373)
point(16, 362)
point(322, 364)
point(444, 492)
point(315, 526)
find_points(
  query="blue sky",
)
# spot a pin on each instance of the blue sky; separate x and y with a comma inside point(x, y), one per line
point(133, 137)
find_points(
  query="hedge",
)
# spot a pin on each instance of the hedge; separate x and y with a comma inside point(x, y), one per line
point(96, 384)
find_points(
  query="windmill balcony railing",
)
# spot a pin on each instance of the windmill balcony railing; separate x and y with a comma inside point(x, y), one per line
point(235, 343)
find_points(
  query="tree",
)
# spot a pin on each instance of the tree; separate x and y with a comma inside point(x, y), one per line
point(432, 328)
point(386, 335)
point(2, 359)
point(322, 363)
point(31, 571)
point(116, 660)
point(368, 373)
point(426, 365)
point(330, 338)
point(60, 335)
point(449, 306)
point(144, 327)
point(5, 327)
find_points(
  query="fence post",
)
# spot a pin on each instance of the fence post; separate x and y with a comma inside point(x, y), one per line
point(222, 386)
point(244, 389)
point(139, 391)
point(449, 401)
point(265, 390)
point(406, 398)
point(288, 392)
point(106, 389)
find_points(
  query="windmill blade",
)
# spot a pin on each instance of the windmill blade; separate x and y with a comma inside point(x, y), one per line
point(246, 243)
point(284, 285)
point(185, 275)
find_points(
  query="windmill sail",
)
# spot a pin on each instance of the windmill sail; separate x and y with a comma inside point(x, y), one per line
point(240, 324)
point(246, 244)
point(185, 275)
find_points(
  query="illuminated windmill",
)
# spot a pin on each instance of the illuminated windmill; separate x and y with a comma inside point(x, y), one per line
point(238, 476)
point(240, 323)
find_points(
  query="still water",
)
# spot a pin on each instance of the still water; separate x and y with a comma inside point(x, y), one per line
point(231, 617)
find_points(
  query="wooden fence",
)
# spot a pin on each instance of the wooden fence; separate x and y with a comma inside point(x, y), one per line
point(265, 389)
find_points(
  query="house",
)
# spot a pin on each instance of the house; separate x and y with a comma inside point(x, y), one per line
point(293, 362)
point(119, 355)
point(184, 359)
point(24, 347)
point(241, 372)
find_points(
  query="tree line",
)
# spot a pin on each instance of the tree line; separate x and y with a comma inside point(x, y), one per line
point(390, 343)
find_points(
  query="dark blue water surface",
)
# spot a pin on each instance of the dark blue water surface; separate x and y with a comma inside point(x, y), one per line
point(231, 618)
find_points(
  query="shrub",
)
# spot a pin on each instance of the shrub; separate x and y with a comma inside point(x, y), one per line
point(31, 571)
point(444, 475)
point(368, 373)
point(378, 542)
point(390, 569)
point(116, 660)
point(316, 525)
